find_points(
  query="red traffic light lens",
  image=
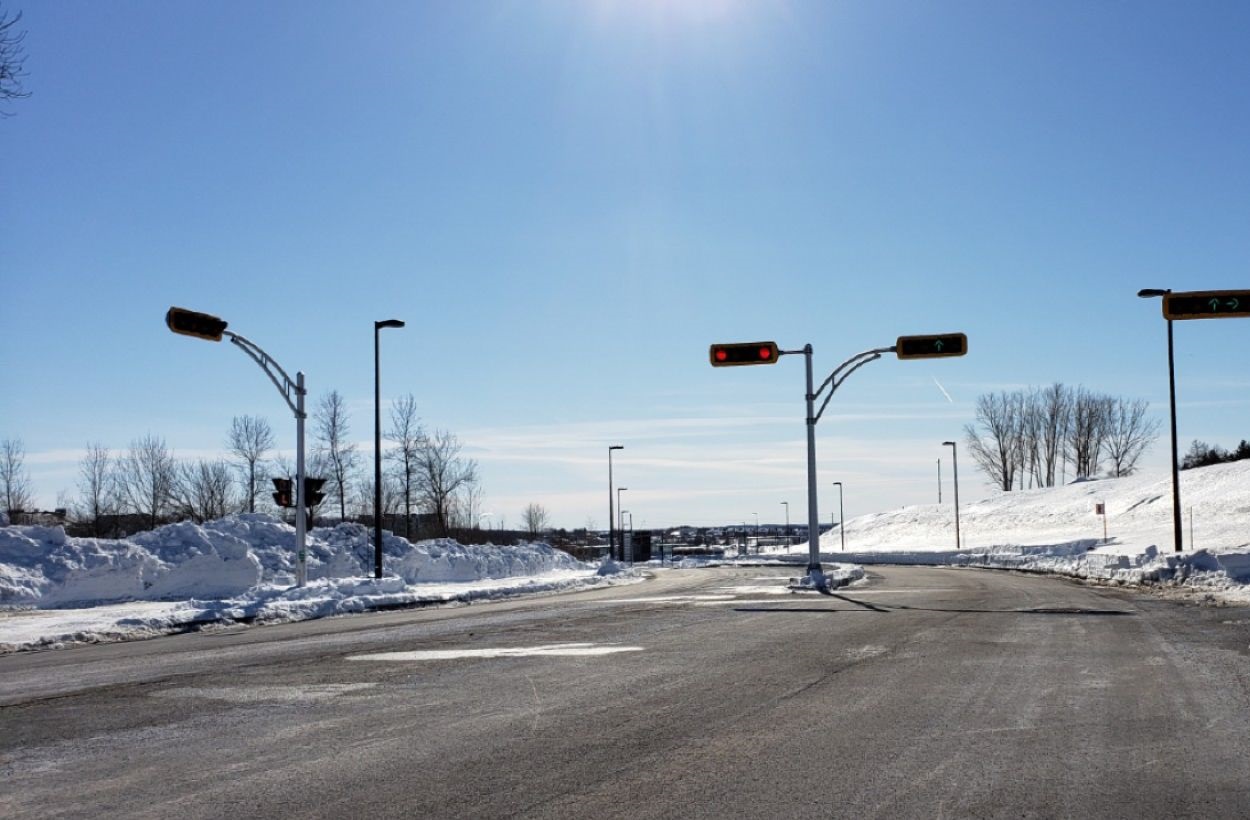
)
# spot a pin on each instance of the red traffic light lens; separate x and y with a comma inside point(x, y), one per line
point(765, 353)
point(721, 354)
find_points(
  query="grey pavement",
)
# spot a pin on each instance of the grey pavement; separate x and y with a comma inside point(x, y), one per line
point(927, 692)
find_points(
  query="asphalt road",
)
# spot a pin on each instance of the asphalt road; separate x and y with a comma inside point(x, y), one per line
point(709, 693)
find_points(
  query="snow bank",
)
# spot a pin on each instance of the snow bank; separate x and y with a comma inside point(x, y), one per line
point(42, 567)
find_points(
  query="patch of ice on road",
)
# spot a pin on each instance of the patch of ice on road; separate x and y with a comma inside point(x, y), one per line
point(256, 694)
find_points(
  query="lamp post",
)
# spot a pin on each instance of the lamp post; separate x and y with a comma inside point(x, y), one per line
point(939, 481)
point(611, 512)
point(620, 521)
point(620, 515)
point(955, 467)
point(841, 515)
point(757, 532)
point(377, 445)
point(1148, 293)
point(787, 506)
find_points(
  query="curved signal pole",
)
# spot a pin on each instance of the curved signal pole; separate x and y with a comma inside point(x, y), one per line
point(906, 347)
point(204, 326)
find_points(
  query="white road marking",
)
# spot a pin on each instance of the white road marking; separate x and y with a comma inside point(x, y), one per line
point(547, 651)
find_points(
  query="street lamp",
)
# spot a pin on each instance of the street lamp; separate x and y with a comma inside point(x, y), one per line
point(757, 532)
point(611, 512)
point(1148, 293)
point(841, 515)
point(939, 481)
point(377, 446)
point(955, 467)
point(787, 506)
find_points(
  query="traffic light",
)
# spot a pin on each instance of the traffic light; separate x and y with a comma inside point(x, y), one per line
point(312, 491)
point(732, 355)
point(931, 347)
point(283, 495)
point(190, 323)
point(1207, 304)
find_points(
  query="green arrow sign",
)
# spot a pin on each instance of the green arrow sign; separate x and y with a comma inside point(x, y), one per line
point(1206, 304)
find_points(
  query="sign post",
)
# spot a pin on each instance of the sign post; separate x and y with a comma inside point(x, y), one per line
point(1101, 509)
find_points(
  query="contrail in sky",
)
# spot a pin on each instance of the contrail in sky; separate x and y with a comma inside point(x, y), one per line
point(943, 389)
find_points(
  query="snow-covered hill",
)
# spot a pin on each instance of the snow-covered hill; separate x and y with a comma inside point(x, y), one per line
point(1057, 530)
point(1139, 514)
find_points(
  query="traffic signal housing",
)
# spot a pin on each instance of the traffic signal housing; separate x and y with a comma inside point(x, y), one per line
point(742, 353)
point(931, 347)
point(191, 323)
point(283, 495)
point(312, 491)
point(1207, 304)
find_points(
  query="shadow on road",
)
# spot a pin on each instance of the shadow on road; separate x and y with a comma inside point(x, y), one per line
point(887, 608)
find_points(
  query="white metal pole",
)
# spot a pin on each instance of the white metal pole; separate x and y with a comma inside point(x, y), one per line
point(813, 522)
point(301, 521)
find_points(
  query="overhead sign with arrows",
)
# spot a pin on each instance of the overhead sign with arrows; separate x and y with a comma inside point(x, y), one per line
point(1207, 304)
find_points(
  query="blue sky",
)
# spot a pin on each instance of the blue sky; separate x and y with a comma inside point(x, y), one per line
point(569, 201)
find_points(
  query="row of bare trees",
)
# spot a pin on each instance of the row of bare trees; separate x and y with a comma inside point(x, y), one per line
point(427, 475)
point(1031, 437)
point(426, 471)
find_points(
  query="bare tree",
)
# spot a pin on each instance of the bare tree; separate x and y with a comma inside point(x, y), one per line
point(1087, 431)
point(147, 475)
point(97, 487)
point(365, 497)
point(204, 490)
point(407, 435)
point(994, 450)
point(340, 454)
point(535, 519)
point(1128, 434)
point(250, 439)
point(466, 505)
point(443, 474)
point(15, 489)
point(1055, 409)
point(12, 59)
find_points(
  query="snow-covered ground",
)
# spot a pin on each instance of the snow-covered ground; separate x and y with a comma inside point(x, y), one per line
point(55, 589)
point(1057, 530)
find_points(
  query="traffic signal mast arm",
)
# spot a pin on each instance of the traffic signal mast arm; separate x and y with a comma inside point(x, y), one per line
point(286, 386)
point(835, 381)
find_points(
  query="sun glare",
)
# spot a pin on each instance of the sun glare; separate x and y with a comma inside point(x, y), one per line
point(670, 12)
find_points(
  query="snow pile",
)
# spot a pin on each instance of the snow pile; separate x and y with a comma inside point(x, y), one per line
point(227, 558)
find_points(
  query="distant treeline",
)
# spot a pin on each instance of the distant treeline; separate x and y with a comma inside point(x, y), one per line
point(1203, 455)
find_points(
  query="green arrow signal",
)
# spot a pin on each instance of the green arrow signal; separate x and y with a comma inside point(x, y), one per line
point(938, 344)
point(1215, 305)
point(1233, 304)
